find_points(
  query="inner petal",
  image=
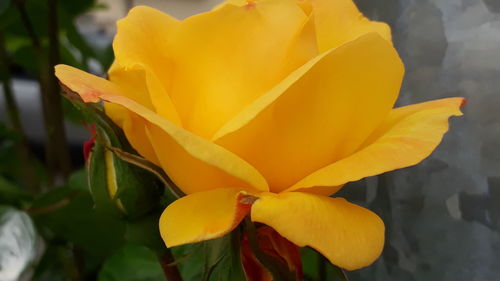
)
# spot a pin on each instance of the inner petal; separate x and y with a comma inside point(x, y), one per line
point(226, 58)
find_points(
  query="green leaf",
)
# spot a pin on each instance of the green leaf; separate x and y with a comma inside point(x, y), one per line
point(145, 231)
point(76, 8)
point(11, 168)
point(27, 58)
point(132, 263)
point(311, 261)
point(223, 258)
point(190, 260)
point(12, 194)
point(4, 4)
point(67, 213)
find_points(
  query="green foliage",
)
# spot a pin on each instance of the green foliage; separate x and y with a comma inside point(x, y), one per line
point(12, 194)
point(10, 164)
point(317, 267)
point(67, 213)
point(132, 263)
point(223, 259)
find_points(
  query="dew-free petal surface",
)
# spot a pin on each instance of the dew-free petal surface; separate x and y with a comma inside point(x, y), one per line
point(348, 235)
point(408, 135)
point(320, 113)
point(226, 58)
point(92, 88)
point(188, 172)
point(203, 215)
point(142, 41)
point(340, 21)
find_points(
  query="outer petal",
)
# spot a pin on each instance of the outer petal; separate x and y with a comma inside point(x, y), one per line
point(226, 58)
point(307, 121)
point(134, 129)
point(187, 171)
point(142, 42)
point(339, 21)
point(203, 215)
point(348, 235)
point(133, 83)
point(408, 135)
point(185, 144)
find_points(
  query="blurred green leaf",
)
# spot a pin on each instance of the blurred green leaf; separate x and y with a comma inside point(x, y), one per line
point(190, 259)
point(10, 164)
point(106, 57)
point(75, 8)
point(7, 133)
point(12, 194)
point(145, 231)
point(310, 259)
point(4, 4)
point(51, 266)
point(310, 262)
point(27, 58)
point(223, 258)
point(132, 263)
point(67, 212)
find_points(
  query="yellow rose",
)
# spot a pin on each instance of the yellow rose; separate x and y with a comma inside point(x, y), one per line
point(266, 108)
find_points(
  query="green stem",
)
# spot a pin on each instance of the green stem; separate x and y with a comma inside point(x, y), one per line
point(169, 266)
point(340, 273)
point(56, 147)
point(29, 174)
point(54, 97)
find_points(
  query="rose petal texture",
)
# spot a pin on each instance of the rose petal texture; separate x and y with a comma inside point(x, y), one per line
point(203, 215)
point(335, 21)
point(192, 158)
point(348, 235)
point(408, 135)
point(226, 58)
point(291, 97)
point(340, 21)
point(307, 121)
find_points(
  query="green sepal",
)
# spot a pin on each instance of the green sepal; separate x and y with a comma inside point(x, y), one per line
point(223, 258)
point(122, 183)
point(96, 167)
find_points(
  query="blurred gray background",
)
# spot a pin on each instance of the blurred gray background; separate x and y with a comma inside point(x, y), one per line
point(442, 216)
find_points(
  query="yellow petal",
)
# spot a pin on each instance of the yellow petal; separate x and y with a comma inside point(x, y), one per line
point(133, 83)
point(143, 36)
point(141, 44)
point(339, 21)
point(203, 215)
point(92, 88)
point(89, 87)
point(408, 135)
point(226, 58)
point(188, 172)
point(309, 121)
point(348, 235)
point(134, 129)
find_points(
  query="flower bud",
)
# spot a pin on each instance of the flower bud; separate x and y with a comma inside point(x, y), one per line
point(274, 252)
point(119, 187)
